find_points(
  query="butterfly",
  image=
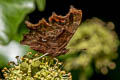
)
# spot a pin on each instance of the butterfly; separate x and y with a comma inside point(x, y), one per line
point(53, 36)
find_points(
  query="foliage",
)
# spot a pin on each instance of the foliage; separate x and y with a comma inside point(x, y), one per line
point(12, 13)
point(12, 27)
point(41, 4)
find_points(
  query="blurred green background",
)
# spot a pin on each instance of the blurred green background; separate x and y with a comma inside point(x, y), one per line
point(93, 48)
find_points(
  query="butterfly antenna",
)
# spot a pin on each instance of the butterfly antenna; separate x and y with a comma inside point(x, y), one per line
point(40, 56)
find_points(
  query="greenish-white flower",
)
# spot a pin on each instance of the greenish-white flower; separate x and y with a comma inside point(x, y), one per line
point(31, 67)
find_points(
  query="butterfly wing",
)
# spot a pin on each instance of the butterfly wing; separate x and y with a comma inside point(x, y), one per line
point(53, 37)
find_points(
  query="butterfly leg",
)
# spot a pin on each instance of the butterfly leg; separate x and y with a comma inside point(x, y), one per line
point(40, 56)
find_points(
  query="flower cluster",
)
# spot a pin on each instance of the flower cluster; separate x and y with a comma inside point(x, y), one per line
point(95, 42)
point(32, 67)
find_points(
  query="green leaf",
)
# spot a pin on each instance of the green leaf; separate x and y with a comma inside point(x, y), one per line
point(41, 4)
point(3, 60)
point(21, 31)
point(12, 13)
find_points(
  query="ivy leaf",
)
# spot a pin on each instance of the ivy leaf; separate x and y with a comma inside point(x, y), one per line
point(41, 4)
point(12, 13)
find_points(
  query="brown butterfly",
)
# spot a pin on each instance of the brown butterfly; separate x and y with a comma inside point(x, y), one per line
point(53, 37)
